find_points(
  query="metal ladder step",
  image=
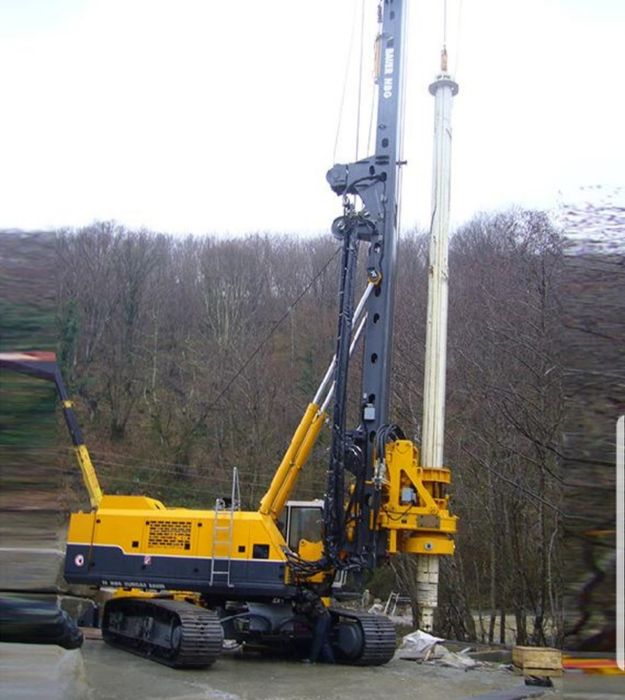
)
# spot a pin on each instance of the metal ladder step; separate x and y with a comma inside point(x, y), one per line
point(223, 534)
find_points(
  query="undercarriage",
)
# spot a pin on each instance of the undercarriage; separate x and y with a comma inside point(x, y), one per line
point(185, 635)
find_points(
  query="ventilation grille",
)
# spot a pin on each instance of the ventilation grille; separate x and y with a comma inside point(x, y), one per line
point(167, 534)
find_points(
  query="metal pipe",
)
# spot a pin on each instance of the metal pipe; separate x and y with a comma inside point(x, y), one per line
point(443, 89)
point(352, 347)
point(330, 373)
point(433, 429)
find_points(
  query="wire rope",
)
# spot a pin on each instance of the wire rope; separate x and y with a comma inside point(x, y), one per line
point(458, 39)
point(273, 329)
point(344, 90)
point(362, 48)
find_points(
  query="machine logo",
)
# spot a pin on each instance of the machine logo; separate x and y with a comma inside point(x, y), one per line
point(389, 62)
point(79, 560)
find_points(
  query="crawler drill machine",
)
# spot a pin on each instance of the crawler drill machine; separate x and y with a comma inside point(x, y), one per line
point(187, 578)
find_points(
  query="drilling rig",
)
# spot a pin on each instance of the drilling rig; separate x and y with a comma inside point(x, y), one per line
point(186, 578)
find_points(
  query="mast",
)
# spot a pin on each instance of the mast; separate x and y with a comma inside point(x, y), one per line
point(382, 258)
point(375, 180)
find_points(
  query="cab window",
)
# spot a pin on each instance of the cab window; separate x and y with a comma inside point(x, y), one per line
point(305, 523)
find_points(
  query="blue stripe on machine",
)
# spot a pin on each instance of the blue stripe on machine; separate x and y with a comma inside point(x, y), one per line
point(109, 565)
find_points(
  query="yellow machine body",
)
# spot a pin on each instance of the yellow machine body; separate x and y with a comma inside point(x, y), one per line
point(138, 542)
point(135, 541)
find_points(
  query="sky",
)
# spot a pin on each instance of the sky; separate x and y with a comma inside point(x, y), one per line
point(207, 116)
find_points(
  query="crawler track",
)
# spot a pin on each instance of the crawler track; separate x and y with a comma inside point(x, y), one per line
point(177, 634)
point(363, 639)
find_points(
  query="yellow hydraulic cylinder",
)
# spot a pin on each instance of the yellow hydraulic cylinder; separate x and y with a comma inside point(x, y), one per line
point(82, 454)
point(294, 459)
point(88, 474)
point(300, 459)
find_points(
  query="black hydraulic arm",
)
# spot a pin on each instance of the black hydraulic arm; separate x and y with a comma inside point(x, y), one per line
point(334, 515)
point(44, 365)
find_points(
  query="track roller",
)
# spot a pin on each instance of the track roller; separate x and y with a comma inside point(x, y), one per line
point(174, 633)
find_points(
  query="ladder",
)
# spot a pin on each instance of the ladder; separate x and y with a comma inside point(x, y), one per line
point(391, 604)
point(223, 533)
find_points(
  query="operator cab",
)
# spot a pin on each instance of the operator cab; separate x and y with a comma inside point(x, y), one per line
point(304, 533)
point(304, 521)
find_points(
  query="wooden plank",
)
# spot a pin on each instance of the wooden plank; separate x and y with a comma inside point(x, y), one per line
point(532, 659)
point(541, 657)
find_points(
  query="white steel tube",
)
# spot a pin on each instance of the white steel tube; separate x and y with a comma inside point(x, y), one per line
point(352, 347)
point(433, 429)
point(356, 317)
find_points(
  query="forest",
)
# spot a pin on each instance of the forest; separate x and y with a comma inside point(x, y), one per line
point(190, 356)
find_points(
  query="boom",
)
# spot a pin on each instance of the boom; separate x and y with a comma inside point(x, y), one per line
point(43, 365)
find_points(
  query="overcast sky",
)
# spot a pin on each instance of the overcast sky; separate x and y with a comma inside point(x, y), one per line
point(209, 116)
